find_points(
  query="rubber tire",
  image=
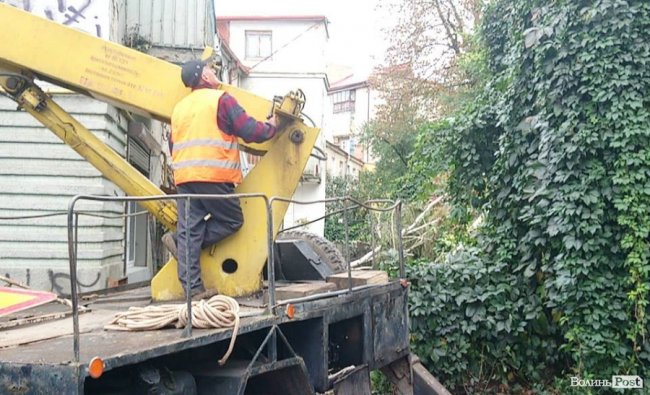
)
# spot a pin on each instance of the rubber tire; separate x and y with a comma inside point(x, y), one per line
point(324, 248)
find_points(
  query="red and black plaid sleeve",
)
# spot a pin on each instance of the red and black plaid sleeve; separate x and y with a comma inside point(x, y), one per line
point(232, 119)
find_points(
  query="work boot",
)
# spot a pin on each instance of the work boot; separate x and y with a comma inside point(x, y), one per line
point(170, 244)
point(202, 293)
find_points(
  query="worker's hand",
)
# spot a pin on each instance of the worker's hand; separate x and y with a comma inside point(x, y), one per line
point(272, 121)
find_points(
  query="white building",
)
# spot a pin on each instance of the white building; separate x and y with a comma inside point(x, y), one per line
point(281, 54)
point(341, 164)
point(352, 104)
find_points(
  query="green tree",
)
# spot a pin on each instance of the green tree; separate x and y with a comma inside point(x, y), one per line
point(555, 150)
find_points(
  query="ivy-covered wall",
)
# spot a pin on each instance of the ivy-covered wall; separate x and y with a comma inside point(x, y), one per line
point(556, 152)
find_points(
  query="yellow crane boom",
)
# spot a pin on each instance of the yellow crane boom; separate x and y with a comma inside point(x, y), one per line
point(33, 47)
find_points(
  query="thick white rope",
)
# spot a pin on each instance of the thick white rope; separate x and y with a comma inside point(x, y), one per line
point(218, 312)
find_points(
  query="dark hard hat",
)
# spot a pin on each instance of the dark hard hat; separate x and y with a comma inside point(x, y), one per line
point(191, 72)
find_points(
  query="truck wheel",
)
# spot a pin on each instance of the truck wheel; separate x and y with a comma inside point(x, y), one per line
point(324, 248)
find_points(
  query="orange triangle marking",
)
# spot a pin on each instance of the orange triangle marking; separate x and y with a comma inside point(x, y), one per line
point(15, 299)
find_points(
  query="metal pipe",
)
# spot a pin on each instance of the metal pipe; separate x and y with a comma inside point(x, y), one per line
point(373, 239)
point(72, 254)
point(187, 332)
point(347, 244)
point(270, 262)
point(325, 295)
point(73, 244)
point(286, 342)
point(400, 248)
point(302, 224)
point(259, 350)
point(272, 347)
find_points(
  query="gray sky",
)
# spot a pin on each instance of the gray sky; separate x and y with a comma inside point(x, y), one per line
point(356, 39)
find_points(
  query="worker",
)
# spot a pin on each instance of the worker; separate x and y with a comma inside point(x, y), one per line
point(205, 159)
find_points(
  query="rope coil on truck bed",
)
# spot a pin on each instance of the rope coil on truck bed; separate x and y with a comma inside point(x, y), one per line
point(219, 311)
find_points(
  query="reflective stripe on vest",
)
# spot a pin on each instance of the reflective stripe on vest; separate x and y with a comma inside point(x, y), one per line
point(218, 164)
point(201, 151)
point(208, 143)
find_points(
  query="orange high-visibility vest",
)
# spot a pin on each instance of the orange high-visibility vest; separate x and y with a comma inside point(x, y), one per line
point(201, 151)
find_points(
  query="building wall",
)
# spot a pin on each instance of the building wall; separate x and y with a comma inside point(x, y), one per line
point(342, 123)
point(39, 175)
point(94, 17)
point(298, 62)
point(296, 45)
point(172, 30)
point(172, 23)
point(117, 29)
point(340, 164)
point(346, 125)
point(347, 122)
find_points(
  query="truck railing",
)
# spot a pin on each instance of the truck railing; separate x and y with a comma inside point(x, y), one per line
point(371, 205)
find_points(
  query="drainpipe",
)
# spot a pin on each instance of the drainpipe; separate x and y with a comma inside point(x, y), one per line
point(366, 151)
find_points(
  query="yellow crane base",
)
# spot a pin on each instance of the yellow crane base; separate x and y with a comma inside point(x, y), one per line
point(236, 267)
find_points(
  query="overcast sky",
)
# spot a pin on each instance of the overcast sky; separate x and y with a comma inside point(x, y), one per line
point(356, 37)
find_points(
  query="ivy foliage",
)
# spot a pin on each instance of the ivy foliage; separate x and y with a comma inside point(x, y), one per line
point(556, 151)
point(356, 218)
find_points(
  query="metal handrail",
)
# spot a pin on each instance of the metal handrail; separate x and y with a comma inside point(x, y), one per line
point(73, 219)
point(395, 205)
point(72, 246)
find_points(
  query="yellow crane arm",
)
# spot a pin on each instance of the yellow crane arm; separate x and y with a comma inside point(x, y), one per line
point(31, 47)
point(107, 71)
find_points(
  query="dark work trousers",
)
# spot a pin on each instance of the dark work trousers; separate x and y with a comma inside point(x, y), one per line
point(196, 233)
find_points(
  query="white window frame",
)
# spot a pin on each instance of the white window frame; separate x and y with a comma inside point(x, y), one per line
point(254, 48)
point(343, 101)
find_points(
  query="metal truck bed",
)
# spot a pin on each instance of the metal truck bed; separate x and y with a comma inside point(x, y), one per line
point(365, 326)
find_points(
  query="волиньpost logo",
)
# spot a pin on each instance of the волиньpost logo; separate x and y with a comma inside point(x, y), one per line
point(615, 382)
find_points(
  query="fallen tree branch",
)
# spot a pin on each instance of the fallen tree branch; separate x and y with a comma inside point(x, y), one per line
point(365, 258)
point(407, 232)
point(424, 212)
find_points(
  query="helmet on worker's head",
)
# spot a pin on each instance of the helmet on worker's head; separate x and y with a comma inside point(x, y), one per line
point(191, 72)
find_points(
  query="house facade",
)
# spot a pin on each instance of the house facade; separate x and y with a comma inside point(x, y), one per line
point(281, 54)
point(351, 107)
point(342, 164)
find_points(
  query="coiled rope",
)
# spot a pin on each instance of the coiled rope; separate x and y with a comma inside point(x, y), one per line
point(217, 312)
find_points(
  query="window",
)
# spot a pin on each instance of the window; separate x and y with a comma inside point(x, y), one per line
point(136, 236)
point(344, 101)
point(258, 44)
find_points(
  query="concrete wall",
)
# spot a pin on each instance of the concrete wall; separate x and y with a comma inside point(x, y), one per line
point(39, 175)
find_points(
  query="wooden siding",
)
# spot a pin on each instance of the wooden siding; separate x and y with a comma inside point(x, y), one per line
point(40, 175)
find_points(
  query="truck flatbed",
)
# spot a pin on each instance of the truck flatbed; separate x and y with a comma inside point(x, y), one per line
point(365, 326)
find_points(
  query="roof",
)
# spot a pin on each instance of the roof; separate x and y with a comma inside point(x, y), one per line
point(226, 48)
point(273, 18)
point(349, 82)
point(342, 152)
